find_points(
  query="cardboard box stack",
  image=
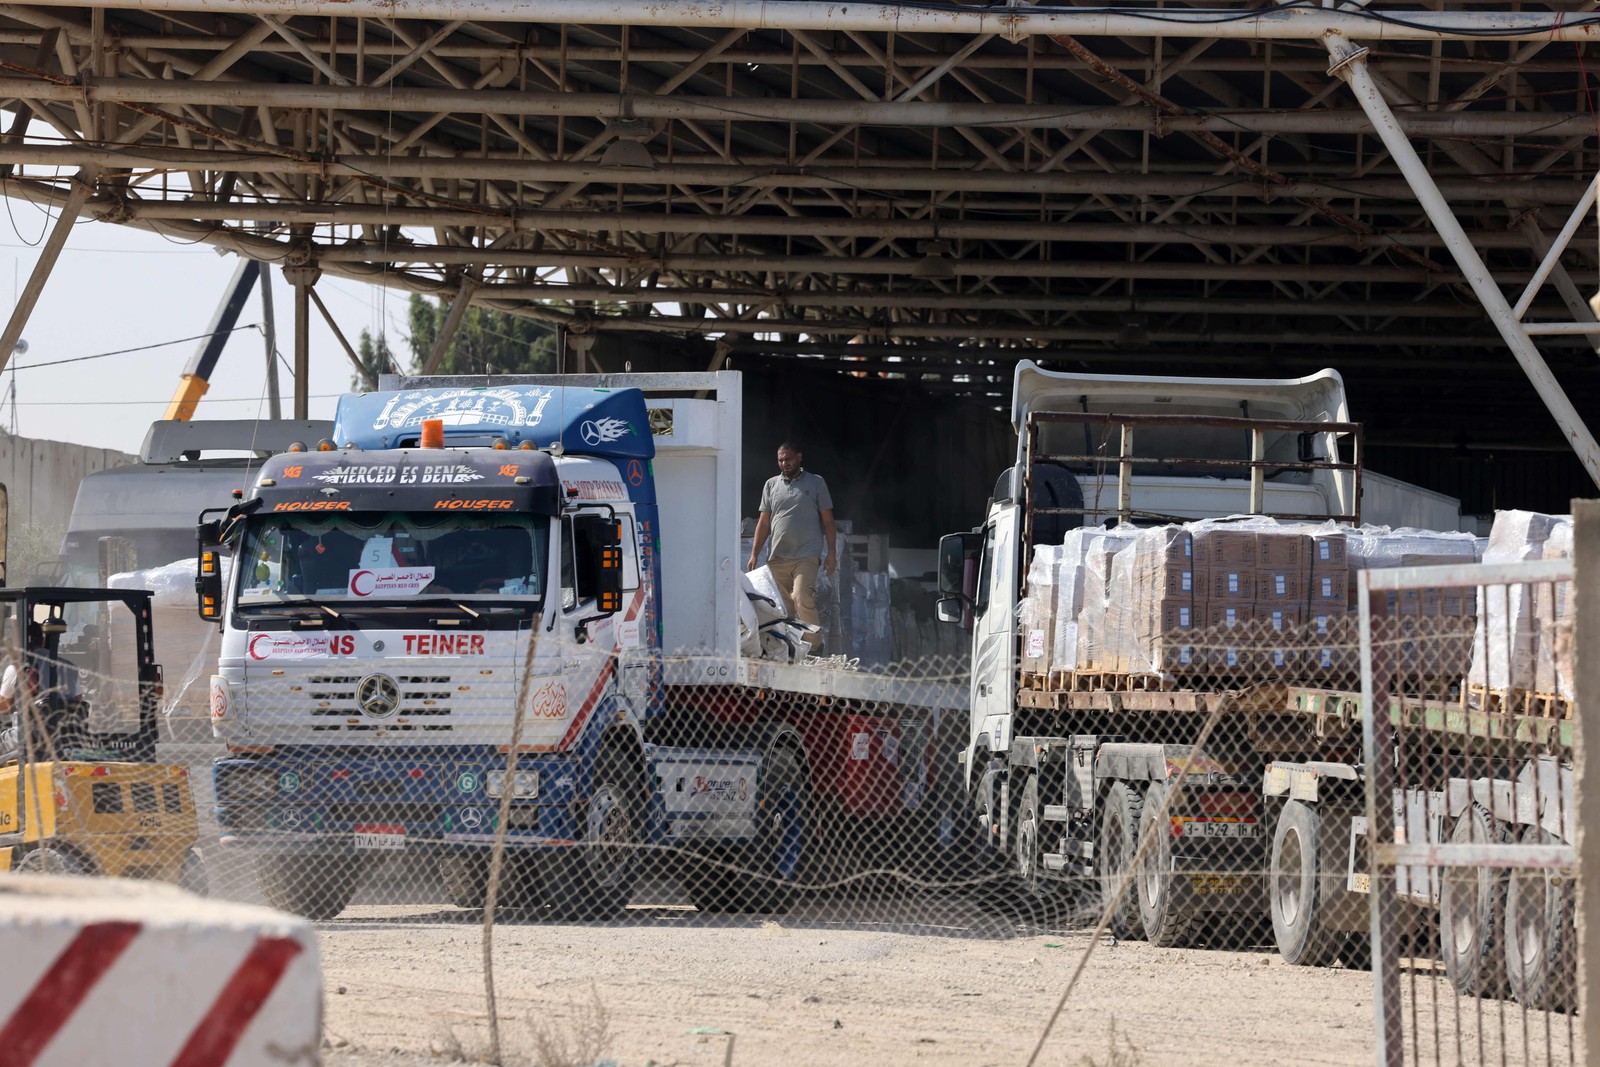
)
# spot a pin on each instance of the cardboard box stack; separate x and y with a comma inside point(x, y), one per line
point(1099, 560)
point(1036, 611)
point(1168, 603)
point(1519, 630)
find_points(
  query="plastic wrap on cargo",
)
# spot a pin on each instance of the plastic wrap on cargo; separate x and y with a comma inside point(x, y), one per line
point(1099, 554)
point(1033, 620)
point(1373, 547)
point(1552, 612)
point(1069, 596)
point(1505, 649)
point(1038, 627)
point(1120, 614)
point(1164, 589)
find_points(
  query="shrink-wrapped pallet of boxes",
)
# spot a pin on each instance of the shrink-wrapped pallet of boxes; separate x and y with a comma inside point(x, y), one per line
point(1099, 555)
point(1036, 612)
point(1552, 608)
point(1168, 598)
point(1071, 574)
point(1428, 631)
point(1506, 649)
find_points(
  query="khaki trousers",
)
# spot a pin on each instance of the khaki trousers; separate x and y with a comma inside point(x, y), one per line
point(797, 579)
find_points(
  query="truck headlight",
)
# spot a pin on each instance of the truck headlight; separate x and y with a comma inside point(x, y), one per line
point(525, 785)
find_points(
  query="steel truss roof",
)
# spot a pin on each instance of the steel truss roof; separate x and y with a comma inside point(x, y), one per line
point(930, 189)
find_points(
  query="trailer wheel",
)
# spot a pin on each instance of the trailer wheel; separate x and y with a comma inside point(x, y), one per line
point(317, 887)
point(1306, 885)
point(1119, 836)
point(1540, 936)
point(1166, 911)
point(762, 879)
point(594, 879)
point(48, 859)
point(1472, 912)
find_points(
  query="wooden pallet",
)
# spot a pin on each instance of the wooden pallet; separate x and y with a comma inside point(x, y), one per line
point(1035, 682)
point(1529, 703)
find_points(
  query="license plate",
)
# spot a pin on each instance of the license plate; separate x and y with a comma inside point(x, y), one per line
point(1221, 829)
point(1217, 883)
point(392, 838)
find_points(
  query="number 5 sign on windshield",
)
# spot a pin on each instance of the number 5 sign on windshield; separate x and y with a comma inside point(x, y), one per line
point(389, 581)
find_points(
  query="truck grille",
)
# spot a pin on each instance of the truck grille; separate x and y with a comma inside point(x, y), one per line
point(422, 696)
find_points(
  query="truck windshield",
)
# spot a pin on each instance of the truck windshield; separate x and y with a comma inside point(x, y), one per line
point(391, 557)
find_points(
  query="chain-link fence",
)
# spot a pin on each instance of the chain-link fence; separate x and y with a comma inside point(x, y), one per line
point(1158, 852)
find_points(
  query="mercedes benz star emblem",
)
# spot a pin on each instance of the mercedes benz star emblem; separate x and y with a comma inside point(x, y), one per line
point(378, 696)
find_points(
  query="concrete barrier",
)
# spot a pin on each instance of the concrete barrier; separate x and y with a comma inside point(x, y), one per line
point(139, 974)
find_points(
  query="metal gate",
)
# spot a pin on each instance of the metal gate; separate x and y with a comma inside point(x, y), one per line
point(1467, 677)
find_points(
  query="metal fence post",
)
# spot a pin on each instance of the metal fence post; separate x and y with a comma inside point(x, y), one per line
point(1586, 669)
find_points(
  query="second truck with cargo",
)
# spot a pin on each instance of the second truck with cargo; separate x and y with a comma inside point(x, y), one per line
point(1161, 593)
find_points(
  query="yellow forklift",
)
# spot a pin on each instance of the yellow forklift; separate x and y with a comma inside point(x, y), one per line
point(80, 791)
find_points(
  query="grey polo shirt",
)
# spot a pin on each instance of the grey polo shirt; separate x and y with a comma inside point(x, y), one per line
point(796, 507)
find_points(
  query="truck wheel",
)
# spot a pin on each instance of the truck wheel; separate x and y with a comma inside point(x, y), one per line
point(1167, 913)
point(47, 859)
point(1472, 912)
point(762, 879)
point(1540, 937)
point(594, 878)
point(317, 887)
point(1306, 885)
point(1119, 836)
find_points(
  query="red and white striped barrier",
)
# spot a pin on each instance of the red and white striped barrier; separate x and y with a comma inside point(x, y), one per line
point(138, 974)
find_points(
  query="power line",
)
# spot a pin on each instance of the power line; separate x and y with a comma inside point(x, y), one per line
point(139, 348)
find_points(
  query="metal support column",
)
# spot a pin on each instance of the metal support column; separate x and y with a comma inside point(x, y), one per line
point(1350, 64)
point(1586, 679)
point(269, 334)
point(82, 186)
point(302, 278)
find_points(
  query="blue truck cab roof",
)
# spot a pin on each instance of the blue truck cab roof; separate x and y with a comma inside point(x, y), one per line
point(603, 423)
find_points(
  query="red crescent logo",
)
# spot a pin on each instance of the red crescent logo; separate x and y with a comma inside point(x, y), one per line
point(256, 640)
point(356, 581)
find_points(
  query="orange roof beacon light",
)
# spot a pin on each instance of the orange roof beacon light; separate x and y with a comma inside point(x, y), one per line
point(432, 433)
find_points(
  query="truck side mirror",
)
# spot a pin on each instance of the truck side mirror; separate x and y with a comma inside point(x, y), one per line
point(208, 571)
point(608, 567)
point(604, 536)
point(957, 552)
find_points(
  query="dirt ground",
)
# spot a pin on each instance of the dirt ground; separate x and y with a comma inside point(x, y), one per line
point(919, 981)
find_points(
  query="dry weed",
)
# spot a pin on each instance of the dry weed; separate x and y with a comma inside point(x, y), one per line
point(579, 1040)
point(1120, 1051)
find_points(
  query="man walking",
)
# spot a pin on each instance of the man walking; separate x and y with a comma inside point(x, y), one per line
point(797, 511)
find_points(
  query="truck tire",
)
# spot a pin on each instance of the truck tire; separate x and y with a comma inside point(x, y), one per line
point(1472, 912)
point(762, 878)
point(316, 887)
point(1311, 907)
point(1119, 837)
point(1168, 913)
point(49, 859)
point(1540, 936)
point(466, 880)
point(594, 878)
